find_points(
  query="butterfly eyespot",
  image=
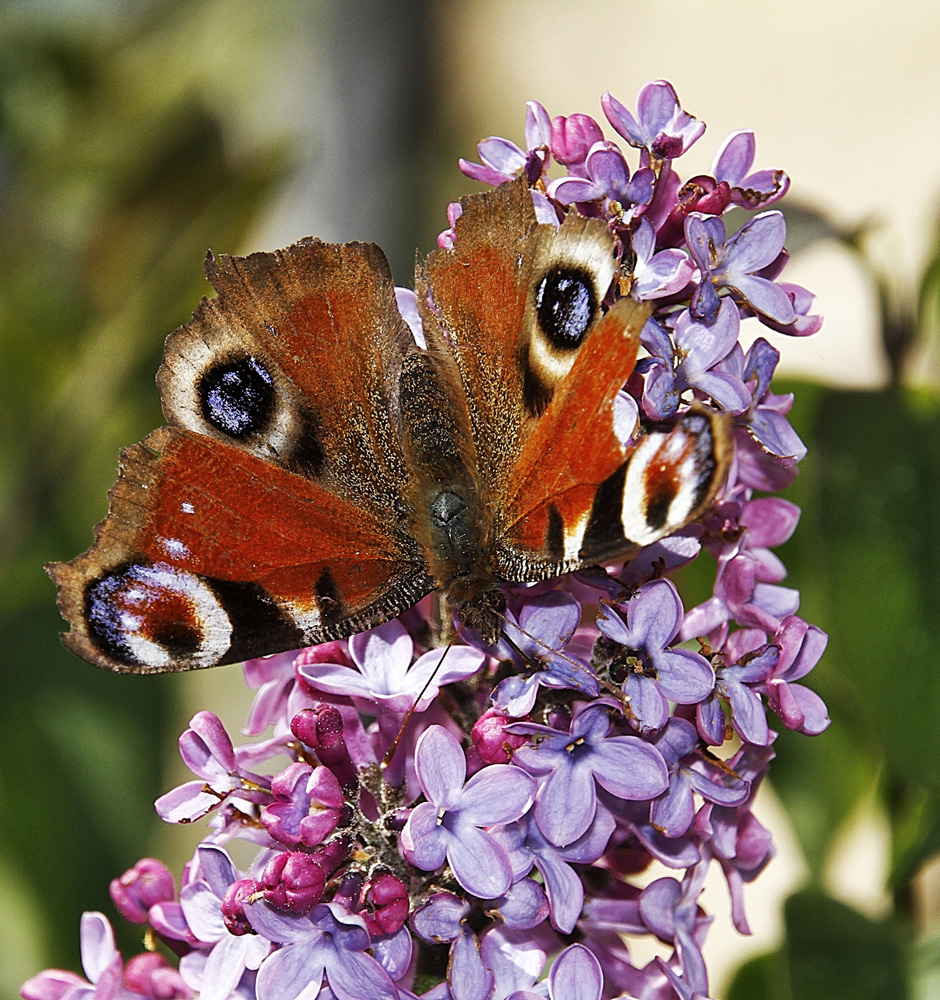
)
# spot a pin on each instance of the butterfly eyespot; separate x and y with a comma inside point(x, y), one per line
point(237, 397)
point(151, 615)
point(565, 306)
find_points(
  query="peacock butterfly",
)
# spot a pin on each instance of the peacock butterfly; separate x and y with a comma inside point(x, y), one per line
point(321, 472)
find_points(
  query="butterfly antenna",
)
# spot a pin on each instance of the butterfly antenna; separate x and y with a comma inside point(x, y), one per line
point(390, 753)
point(551, 649)
point(522, 656)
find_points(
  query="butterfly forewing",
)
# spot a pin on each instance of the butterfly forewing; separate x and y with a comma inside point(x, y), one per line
point(297, 360)
point(560, 495)
point(514, 299)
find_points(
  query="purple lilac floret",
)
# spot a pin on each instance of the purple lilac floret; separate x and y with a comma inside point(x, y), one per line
point(450, 823)
point(399, 794)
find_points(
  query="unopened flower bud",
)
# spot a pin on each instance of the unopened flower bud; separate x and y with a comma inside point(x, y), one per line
point(572, 137)
point(149, 975)
point(294, 881)
point(140, 887)
point(490, 739)
point(321, 729)
point(332, 855)
point(233, 905)
point(385, 899)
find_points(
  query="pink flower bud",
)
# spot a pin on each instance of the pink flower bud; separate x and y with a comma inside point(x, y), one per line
point(490, 739)
point(140, 887)
point(385, 900)
point(233, 905)
point(293, 881)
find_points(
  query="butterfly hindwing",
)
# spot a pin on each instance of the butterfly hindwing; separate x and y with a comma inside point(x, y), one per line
point(669, 478)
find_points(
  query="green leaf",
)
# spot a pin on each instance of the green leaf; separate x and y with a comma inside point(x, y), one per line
point(866, 558)
point(915, 821)
point(819, 779)
point(878, 498)
point(835, 953)
point(755, 979)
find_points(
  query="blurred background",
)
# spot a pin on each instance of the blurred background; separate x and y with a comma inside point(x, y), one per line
point(134, 135)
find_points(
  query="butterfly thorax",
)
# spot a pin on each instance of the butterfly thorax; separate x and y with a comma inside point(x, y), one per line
point(453, 523)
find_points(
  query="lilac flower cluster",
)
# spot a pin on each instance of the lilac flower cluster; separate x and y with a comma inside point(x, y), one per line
point(611, 733)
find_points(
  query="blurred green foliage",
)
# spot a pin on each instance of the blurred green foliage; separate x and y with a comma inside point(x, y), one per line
point(134, 135)
point(866, 559)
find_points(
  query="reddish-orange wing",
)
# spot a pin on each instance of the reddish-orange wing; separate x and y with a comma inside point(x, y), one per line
point(521, 305)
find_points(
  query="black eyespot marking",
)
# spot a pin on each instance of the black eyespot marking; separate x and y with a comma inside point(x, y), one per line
point(555, 537)
point(137, 602)
point(328, 599)
point(152, 615)
point(565, 305)
point(659, 500)
point(237, 397)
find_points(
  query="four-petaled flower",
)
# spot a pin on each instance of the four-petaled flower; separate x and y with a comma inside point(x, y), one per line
point(544, 626)
point(216, 975)
point(449, 823)
point(660, 127)
point(503, 160)
point(689, 771)
point(734, 159)
point(384, 673)
point(207, 751)
point(328, 942)
point(306, 806)
point(745, 663)
point(608, 176)
point(649, 670)
point(572, 763)
point(735, 262)
point(688, 361)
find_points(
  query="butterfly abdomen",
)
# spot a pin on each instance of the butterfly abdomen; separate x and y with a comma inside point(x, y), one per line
point(452, 520)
